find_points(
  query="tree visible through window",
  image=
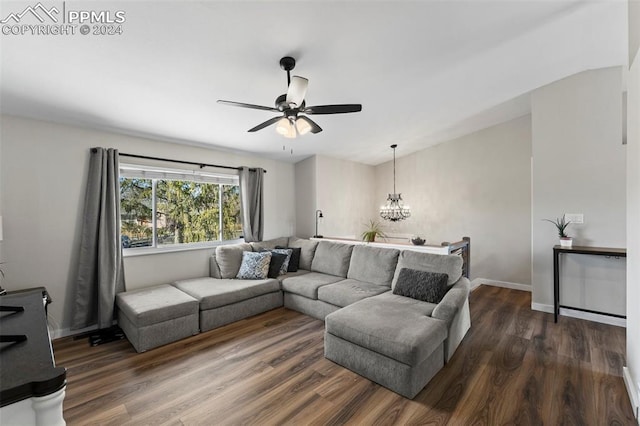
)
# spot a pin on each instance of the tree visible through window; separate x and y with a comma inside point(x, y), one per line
point(185, 211)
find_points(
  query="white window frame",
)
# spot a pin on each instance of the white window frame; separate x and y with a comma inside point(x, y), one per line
point(128, 170)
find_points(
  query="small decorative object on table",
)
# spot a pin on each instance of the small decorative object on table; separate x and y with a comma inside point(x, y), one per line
point(417, 241)
point(561, 225)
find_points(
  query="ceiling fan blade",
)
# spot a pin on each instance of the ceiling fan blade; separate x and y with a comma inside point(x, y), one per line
point(333, 109)
point(314, 126)
point(251, 106)
point(297, 90)
point(267, 123)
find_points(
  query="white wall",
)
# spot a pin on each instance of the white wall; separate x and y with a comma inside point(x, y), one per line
point(633, 205)
point(342, 189)
point(43, 174)
point(579, 166)
point(305, 191)
point(476, 186)
point(345, 194)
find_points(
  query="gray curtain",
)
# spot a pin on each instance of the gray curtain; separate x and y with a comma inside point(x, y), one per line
point(100, 268)
point(251, 206)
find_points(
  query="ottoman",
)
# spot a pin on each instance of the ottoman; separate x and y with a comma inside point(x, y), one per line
point(389, 340)
point(154, 316)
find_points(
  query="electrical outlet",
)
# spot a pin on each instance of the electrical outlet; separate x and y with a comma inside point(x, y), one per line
point(576, 218)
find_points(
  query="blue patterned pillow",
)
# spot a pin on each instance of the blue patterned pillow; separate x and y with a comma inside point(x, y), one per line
point(255, 265)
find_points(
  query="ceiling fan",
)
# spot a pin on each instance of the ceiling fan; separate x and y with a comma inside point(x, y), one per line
point(294, 120)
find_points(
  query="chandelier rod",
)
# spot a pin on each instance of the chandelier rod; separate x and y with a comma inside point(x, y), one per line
point(394, 146)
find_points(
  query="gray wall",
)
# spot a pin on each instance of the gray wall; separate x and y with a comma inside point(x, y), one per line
point(43, 174)
point(634, 30)
point(305, 197)
point(345, 194)
point(633, 203)
point(478, 186)
point(579, 166)
point(342, 189)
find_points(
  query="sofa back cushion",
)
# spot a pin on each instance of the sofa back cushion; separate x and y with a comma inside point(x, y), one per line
point(229, 259)
point(449, 264)
point(374, 265)
point(332, 258)
point(308, 250)
point(269, 244)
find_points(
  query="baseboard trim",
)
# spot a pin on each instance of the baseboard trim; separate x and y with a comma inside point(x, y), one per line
point(59, 333)
point(566, 312)
point(477, 282)
point(632, 390)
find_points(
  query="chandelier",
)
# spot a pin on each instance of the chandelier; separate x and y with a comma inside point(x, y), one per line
point(394, 210)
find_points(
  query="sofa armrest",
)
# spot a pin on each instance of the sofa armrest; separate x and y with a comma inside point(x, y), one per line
point(453, 301)
point(214, 269)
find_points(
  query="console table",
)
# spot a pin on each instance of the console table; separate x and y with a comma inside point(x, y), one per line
point(594, 251)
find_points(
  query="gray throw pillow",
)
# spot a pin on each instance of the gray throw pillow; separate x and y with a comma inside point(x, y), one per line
point(255, 265)
point(294, 261)
point(421, 285)
point(287, 253)
point(275, 266)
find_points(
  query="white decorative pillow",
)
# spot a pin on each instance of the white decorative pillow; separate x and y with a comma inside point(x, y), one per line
point(255, 265)
point(285, 265)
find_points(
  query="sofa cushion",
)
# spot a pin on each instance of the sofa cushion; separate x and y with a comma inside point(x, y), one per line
point(422, 285)
point(269, 244)
point(373, 264)
point(308, 250)
point(152, 305)
point(229, 258)
point(254, 266)
point(404, 335)
point(299, 272)
point(332, 258)
point(449, 264)
point(294, 260)
point(307, 285)
point(213, 293)
point(349, 291)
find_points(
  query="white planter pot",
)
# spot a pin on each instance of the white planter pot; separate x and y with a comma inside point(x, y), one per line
point(566, 242)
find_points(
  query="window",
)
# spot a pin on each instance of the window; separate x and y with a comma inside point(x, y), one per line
point(164, 207)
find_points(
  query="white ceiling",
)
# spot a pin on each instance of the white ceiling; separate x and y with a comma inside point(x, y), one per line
point(424, 71)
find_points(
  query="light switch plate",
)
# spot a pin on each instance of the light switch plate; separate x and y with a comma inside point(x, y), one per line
point(576, 218)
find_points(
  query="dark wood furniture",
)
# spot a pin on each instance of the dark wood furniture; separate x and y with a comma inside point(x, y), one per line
point(28, 368)
point(594, 251)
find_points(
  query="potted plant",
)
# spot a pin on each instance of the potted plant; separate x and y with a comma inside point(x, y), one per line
point(561, 225)
point(374, 229)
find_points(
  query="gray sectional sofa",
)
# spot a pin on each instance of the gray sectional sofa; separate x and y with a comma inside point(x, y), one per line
point(396, 341)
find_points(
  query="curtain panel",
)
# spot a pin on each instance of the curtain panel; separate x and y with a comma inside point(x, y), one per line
point(100, 274)
point(251, 203)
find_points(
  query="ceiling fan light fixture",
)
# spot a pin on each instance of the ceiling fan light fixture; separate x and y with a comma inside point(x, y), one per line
point(286, 128)
point(302, 126)
point(289, 124)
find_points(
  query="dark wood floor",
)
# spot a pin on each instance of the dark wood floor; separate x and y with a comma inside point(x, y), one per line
point(515, 366)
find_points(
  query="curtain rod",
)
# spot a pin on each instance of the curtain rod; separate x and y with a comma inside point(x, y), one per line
point(201, 165)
